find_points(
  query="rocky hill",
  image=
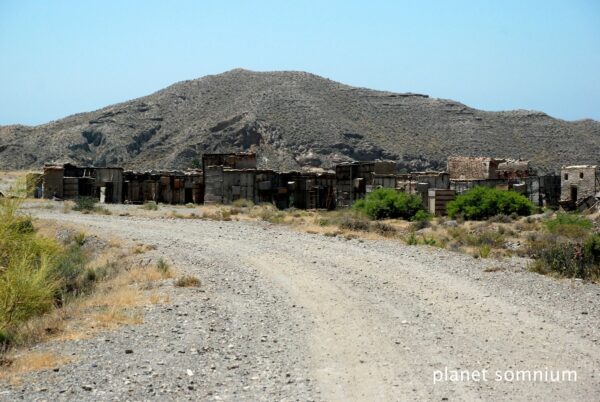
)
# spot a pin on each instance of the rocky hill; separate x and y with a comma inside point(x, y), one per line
point(294, 120)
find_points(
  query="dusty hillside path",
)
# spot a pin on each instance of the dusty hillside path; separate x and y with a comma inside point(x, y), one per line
point(294, 316)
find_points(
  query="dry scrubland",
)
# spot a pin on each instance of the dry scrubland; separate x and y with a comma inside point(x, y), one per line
point(288, 302)
point(498, 237)
point(285, 314)
point(60, 283)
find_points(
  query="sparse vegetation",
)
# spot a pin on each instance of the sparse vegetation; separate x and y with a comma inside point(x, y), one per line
point(421, 220)
point(40, 276)
point(484, 202)
point(572, 260)
point(85, 204)
point(569, 225)
point(484, 250)
point(354, 222)
point(242, 203)
point(412, 240)
point(383, 229)
point(568, 248)
point(268, 213)
point(162, 265)
point(150, 206)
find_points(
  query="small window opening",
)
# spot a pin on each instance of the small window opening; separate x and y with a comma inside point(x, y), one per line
point(566, 176)
point(581, 175)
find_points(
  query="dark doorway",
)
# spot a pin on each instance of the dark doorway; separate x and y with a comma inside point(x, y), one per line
point(108, 195)
point(86, 187)
point(573, 193)
point(189, 195)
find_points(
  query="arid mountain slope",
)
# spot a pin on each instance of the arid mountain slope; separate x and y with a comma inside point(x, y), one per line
point(294, 119)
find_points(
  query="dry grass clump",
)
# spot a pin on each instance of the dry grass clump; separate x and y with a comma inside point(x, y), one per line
point(187, 281)
point(347, 222)
point(268, 213)
point(176, 215)
point(412, 239)
point(384, 229)
point(354, 223)
point(11, 367)
point(242, 203)
point(150, 206)
point(143, 248)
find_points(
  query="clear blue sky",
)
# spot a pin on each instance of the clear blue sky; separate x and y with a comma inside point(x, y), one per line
point(63, 57)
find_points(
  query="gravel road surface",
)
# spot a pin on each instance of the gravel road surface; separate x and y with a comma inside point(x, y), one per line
point(289, 316)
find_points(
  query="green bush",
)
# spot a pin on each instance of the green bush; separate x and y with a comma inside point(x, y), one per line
point(484, 202)
point(70, 270)
point(421, 220)
point(85, 204)
point(386, 203)
point(421, 216)
point(35, 272)
point(26, 290)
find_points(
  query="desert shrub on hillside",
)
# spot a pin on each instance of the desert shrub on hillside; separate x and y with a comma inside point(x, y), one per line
point(386, 203)
point(566, 258)
point(567, 247)
point(569, 225)
point(484, 202)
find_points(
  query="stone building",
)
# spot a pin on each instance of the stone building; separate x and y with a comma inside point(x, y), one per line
point(472, 167)
point(486, 168)
point(577, 183)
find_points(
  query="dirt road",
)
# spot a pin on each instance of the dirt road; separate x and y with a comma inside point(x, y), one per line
point(292, 316)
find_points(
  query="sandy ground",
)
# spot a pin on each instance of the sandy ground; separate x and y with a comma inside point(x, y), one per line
point(290, 316)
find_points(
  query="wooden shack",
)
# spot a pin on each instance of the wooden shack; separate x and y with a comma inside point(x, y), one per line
point(108, 182)
point(232, 160)
point(68, 181)
point(354, 178)
point(168, 187)
point(306, 190)
point(438, 199)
